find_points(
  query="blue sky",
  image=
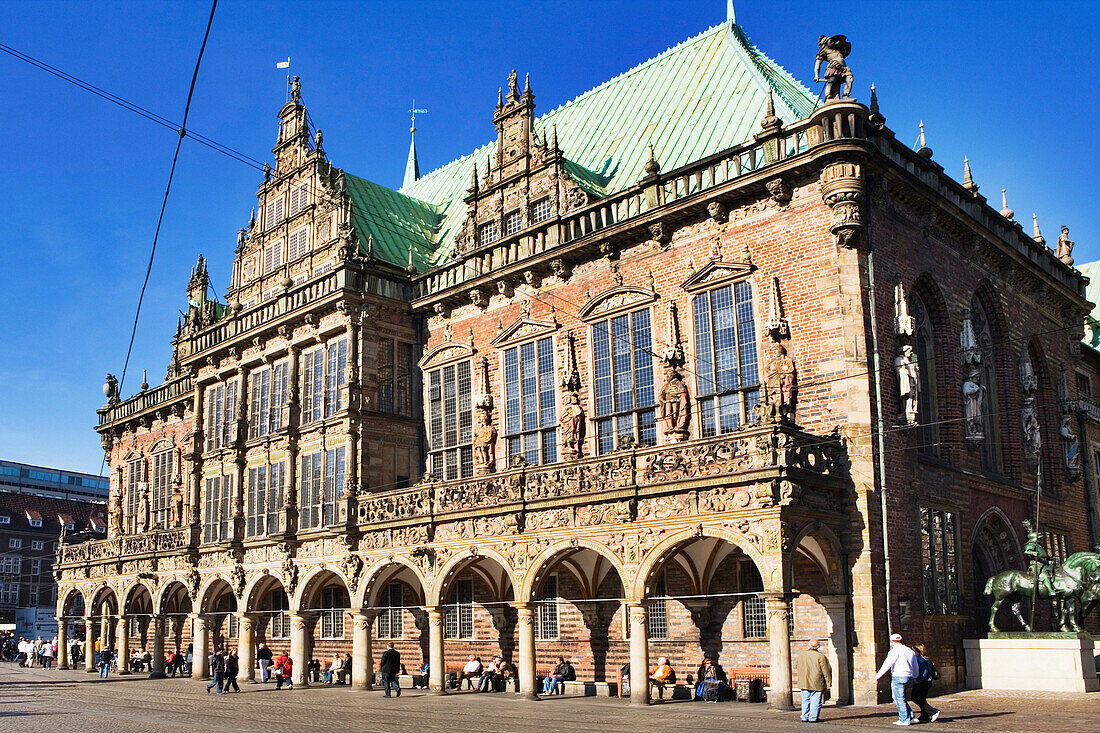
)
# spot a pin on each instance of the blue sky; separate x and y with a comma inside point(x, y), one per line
point(1009, 84)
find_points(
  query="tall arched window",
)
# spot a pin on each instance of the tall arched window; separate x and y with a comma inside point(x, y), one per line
point(987, 370)
point(924, 349)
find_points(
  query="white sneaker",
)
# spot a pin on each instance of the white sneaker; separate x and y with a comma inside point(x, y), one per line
point(934, 716)
point(901, 722)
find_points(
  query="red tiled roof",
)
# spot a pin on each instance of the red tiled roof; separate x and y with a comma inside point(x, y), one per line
point(19, 508)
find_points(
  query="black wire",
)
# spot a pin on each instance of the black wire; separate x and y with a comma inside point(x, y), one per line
point(167, 189)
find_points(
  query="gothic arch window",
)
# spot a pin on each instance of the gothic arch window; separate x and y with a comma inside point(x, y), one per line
point(987, 371)
point(924, 349)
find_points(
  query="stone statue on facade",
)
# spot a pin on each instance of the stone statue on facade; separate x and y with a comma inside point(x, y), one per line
point(110, 390)
point(675, 405)
point(513, 85)
point(242, 238)
point(319, 141)
point(116, 513)
point(485, 441)
point(295, 90)
point(973, 400)
point(1029, 422)
point(143, 510)
point(908, 371)
point(572, 426)
point(1064, 251)
point(781, 382)
point(833, 50)
point(1071, 446)
point(177, 506)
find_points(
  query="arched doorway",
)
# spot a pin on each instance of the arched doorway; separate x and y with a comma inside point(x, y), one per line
point(394, 596)
point(324, 608)
point(71, 630)
point(137, 635)
point(175, 607)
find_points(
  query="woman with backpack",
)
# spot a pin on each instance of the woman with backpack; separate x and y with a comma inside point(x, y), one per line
point(926, 675)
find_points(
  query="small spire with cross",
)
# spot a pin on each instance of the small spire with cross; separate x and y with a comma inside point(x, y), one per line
point(412, 167)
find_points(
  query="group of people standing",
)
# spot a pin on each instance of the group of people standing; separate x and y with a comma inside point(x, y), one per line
point(36, 653)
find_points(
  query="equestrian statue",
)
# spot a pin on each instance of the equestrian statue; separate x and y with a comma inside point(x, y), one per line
point(1074, 584)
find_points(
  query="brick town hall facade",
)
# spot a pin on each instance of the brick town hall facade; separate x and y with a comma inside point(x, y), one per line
point(690, 365)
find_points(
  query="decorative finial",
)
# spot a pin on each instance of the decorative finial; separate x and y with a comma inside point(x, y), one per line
point(1005, 211)
point(473, 183)
point(500, 97)
point(652, 167)
point(370, 246)
point(527, 83)
point(770, 122)
point(410, 268)
point(968, 180)
point(554, 137)
point(923, 151)
point(875, 118)
point(144, 380)
point(1035, 233)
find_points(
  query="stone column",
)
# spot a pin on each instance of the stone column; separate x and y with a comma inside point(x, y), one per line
point(156, 668)
point(200, 653)
point(639, 654)
point(300, 642)
point(123, 631)
point(105, 631)
point(838, 652)
point(525, 624)
point(780, 642)
point(362, 661)
point(63, 643)
point(89, 644)
point(437, 673)
point(246, 648)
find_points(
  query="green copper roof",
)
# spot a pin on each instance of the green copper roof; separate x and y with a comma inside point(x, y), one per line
point(1091, 270)
point(394, 221)
point(705, 95)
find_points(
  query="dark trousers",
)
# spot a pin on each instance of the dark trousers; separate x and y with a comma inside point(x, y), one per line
point(389, 682)
point(920, 697)
point(230, 681)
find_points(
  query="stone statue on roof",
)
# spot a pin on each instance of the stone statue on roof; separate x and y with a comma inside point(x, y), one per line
point(833, 50)
point(1065, 247)
point(513, 85)
point(296, 90)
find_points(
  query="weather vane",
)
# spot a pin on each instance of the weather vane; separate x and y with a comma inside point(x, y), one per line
point(414, 112)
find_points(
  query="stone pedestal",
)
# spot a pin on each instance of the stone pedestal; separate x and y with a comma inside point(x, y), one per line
point(1050, 662)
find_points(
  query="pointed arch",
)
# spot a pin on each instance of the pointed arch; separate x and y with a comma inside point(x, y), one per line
point(820, 545)
point(930, 340)
point(989, 332)
point(995, 544)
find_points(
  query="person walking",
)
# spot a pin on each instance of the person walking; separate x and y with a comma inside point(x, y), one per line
point(47, 655)
point(926, 675)
point(264, 657)
point(815, 675)
point(388, 669)
point(217, 671)
point(104, 660)
point(232, 668)
point(901, 663)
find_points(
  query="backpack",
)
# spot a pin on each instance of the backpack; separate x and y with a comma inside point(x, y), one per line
point(926, 671)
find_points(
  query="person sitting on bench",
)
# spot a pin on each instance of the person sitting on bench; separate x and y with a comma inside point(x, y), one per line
point(564, 672)
point(470, 672)
point(662, 675)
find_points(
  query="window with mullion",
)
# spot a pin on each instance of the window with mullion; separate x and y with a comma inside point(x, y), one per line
point(530, 411)
point(134, 476)
point(337, 365)
point(391, 615)
point(727, 367)
point(623, 366)
point(217, 490)
point(162, 477)
point(309, 492)
point(334, 485)
point(450, 421)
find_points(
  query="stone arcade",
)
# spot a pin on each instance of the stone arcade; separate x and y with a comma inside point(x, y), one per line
point(635, 344)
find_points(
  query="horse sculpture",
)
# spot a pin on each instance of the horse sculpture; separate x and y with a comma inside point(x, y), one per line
point(1076, 586)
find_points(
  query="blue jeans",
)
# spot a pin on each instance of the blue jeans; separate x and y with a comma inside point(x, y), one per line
point(811, 705)
point(549, 683)
point(217, 681)
point(897, 689)
point(389, 682)
point(103, 667)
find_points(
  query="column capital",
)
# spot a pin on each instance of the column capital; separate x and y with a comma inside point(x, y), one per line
point(834, 603)
point(523, 607)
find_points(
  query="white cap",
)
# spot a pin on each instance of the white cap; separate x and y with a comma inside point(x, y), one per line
point(895, 637)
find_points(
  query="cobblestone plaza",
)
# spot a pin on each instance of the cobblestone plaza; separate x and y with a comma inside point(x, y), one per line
point(32, 700)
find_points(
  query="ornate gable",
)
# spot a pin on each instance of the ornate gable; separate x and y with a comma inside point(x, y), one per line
point(448, 352)
point(717, 272)
point(524, 328)
point(615, 300)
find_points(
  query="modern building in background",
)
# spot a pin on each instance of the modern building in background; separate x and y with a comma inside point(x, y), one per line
point(30, 528)
point(692, 364)
point(22, 478)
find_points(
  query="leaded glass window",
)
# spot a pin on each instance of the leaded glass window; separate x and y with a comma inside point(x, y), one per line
point(217, 525)
point(983, 335)
point(309, 491)
point(727, 368)
point(163, 463)
point(264, 500)
point(546, 610)
point(277, 607)
point(135, 476)
point(939, 558)
point(458, 621)
point(530, 423)
point(334, 485)
point(220, 405)
point(657, 610)
point(334, 601)
point(924, 350)
point(391, 613)
point(540, 211)
point(622, 349)
point(754, 612)
point(396, 365)
point(267, 399)
point(488, 233)
point(450, 422)
point(513, 222)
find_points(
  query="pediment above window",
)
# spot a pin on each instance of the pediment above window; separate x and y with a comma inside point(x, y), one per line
point(616, 300)
point(162, 445)
point(448, 352)
point(523, 329)
point(717, 272)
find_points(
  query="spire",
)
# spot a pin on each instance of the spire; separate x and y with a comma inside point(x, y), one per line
point(731, 15)
point(968, 180)
point(923, 151)
point(144, 380)
point(1005, 211)
point(412, 168)
point(527, 83)
point(770, 123)
point(875, 118)
point(1035, 233)
point(554, 137)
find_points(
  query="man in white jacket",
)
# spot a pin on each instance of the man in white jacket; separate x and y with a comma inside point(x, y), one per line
point(901, 663)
